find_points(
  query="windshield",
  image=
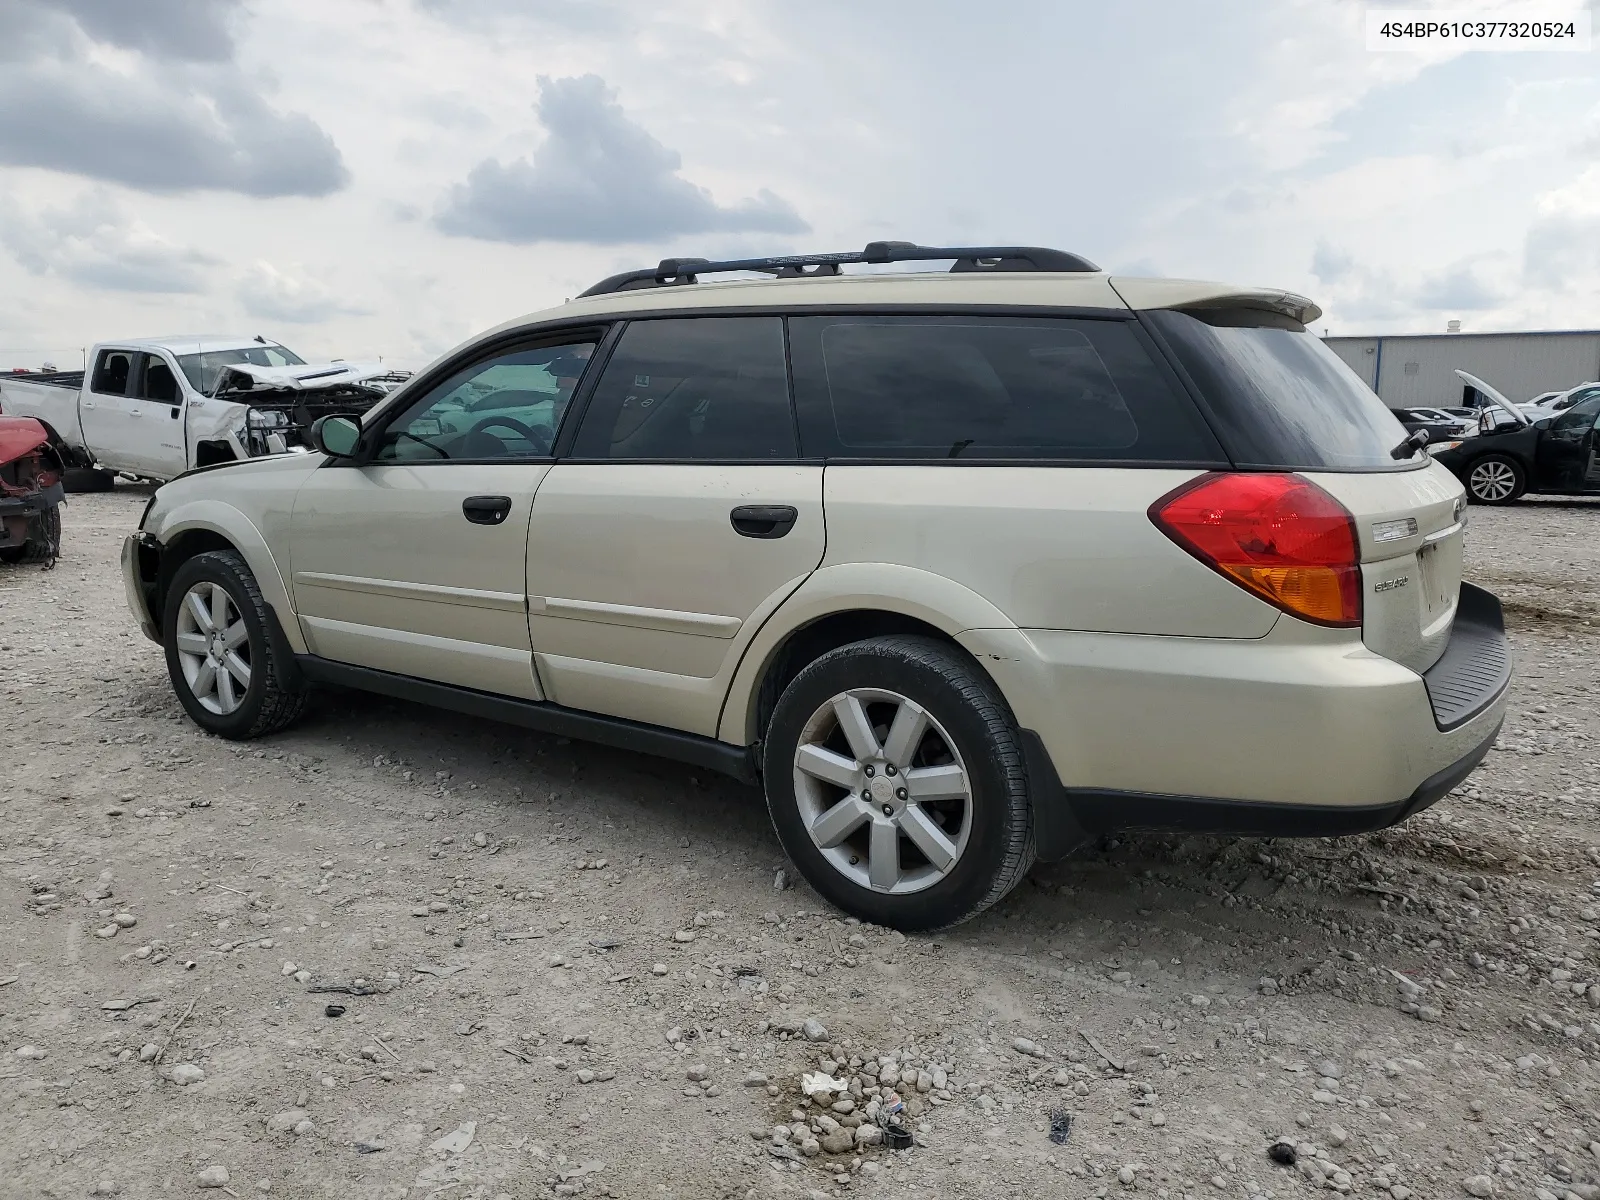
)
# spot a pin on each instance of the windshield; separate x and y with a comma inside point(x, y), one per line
point(202, 369)
point(1281, 399)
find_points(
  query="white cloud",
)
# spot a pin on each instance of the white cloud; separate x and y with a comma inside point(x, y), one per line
point(600, 178)
point(290, 294)
point(1255, 141)
point(92, 241)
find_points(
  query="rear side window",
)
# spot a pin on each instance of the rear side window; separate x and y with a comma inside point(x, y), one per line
point(111, 373)
point(948, 387)
point(692, 389)
point(1279, 397)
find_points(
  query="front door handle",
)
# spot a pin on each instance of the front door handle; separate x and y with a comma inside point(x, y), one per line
point(486, 510)
point(763, 520)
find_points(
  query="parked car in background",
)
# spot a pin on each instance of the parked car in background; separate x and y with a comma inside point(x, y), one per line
point(157, 407)
point(1557, 454)
point(1439, 425)
point(31, 464)
point(1554, 402)
point(965, 568)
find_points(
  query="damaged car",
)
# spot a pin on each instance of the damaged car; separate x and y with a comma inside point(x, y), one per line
point(154, 408)
point(31, 495)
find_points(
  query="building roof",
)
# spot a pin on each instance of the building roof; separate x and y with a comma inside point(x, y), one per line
point(1476, 333)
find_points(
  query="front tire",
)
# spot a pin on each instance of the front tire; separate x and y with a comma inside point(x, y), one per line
point(1495, 479)
point(896, 782)
point(229, 675)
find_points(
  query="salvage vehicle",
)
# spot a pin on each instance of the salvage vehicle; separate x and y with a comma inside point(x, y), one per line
point(31, 463)
point(1557, 454)
point(154, 408)
point(964, 568)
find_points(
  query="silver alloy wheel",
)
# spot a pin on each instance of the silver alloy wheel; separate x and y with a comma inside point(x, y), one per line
point(213, 648)
point(1493, 481)
point(882, 791)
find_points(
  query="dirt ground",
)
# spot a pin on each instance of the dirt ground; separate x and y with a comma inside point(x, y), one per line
point(577, 975)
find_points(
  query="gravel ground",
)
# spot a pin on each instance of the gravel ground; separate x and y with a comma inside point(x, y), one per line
point(568, 969)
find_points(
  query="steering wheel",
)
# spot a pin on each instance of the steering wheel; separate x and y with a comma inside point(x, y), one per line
point(539, 439)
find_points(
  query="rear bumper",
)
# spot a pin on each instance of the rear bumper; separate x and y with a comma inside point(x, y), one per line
point(1302, 732)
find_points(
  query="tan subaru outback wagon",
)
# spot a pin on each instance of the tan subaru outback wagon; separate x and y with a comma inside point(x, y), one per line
point(962, 566)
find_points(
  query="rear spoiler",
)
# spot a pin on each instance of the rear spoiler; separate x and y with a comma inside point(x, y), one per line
point(1140, 293)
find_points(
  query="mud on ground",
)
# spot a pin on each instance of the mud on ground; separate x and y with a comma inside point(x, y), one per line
point(552, 940)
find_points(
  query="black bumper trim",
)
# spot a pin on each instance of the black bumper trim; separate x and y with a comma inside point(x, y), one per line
point(1475, 667)
point(34, 502)
point(737, 761)
point(1066, 818)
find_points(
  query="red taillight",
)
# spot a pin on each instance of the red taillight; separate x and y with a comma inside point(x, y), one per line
point(1279, 536)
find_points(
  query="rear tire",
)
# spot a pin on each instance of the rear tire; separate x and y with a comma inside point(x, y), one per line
point(1495, 479)
point(877, 723)
point(229, 675)
point(87, 479)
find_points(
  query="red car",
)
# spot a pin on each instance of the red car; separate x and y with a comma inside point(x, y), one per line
point(31, 494)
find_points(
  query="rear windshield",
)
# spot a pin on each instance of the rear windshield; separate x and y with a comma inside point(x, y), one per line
point(1279, 396)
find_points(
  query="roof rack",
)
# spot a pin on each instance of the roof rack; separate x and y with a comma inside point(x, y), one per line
point(674, 272)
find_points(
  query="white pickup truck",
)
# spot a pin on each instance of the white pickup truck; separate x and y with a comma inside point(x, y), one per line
point(154, 408)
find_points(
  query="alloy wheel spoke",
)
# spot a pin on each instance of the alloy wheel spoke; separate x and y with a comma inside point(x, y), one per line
point(235, 636)
point(205, 680)
point(225, 697)
point(824, 764)
point(192, 643)
point(200, 613)
point(926, 836)
point(839, 822)
point(237, 668)
point(905, 734)
point(883, 855)
point(948, 782)
point(219, 607)
point(857, 730)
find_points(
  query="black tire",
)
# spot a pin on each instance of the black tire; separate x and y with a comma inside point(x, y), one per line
point(275, 696)
point(956, 693)
point(1485, 479)
point(44, 541)
point(87, 479)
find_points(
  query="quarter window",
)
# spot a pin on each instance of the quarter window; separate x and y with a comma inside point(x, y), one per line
point(692, 389)
point(989, 388)
point(507, 406)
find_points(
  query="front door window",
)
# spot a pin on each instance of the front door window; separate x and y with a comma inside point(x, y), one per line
point(507, 406)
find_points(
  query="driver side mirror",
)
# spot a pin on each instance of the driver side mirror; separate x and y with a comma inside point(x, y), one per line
point(1544, 422)
point(335, 436)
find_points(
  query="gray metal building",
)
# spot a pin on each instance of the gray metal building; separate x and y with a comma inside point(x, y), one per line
point(1419, 368)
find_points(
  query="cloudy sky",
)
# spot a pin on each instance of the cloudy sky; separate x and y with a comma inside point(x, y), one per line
point(385, 177)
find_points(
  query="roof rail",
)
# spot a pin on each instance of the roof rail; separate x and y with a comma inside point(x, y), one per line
point(673, 272)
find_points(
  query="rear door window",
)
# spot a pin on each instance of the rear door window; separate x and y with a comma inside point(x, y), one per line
point(111, 373)
point(1278, 397)
point(692, 389)
point(986, 388)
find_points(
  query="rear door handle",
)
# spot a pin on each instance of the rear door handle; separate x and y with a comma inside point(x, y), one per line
point(486, 510)
point(763, 520)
